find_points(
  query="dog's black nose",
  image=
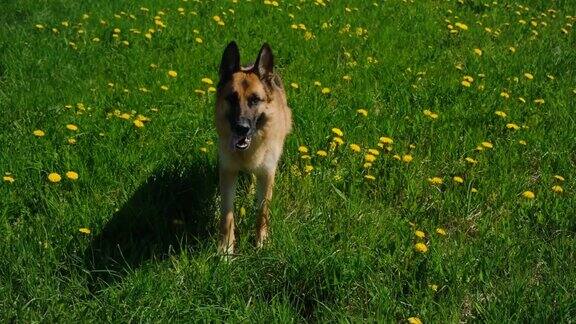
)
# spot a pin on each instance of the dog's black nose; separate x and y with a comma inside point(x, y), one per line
point(242, 127)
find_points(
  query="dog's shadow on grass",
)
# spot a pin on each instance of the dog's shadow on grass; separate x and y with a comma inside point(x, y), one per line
point(172, 210)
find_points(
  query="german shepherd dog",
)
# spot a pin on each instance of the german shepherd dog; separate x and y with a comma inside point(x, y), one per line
point(252, 120)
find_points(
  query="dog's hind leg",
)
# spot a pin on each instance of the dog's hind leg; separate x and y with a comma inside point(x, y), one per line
point(227, 190)
point(265, 185)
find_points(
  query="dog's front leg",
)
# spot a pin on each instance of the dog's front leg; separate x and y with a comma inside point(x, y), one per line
point(265, 185)
point(227, 191)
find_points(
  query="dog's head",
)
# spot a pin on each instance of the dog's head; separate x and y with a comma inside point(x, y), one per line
point(244, 94)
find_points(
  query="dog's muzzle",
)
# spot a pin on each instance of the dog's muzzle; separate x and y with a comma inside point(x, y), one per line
point(241, 134)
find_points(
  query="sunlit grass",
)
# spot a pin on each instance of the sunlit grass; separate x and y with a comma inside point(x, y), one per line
point(429, 176)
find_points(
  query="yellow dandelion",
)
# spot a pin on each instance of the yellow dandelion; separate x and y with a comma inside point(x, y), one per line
point(407, 158)
point(487, 145)
point(362, 112)
point(422, 248)
point(164, 88)
point(414, 320)
point(138, 123)
point(512, 126)
point(419, 234)
point(71, 141)
point(72, 175)
point(458, 179)
point(338, 140)
point(294, 85)
point(528, 76)
point(337, 131)
point(308, 168)
point(84, 230)
point(441, 231)
point(433, 287)
point(528, 195)
point(369, 158)
point(471, 160)
point(396, 157)
point(435, 180)
point(142, 118)
point(207, 81)
point(504, 94)
point(347, 78)
point(303, 149)
point(430, 114)
point(54, 177)
point(8, 178)
point(199, 40)
point(355, 148)
point(38, 133)
point(386, 140)
point(374, 152)
point(478, 51)
point(522, 142)
point(474, 190)
point(559, 177)
point(465, 83)
point(72, 127)
point(539, 101)
point(326, 90)
point(367, 165)
point(322, 153)
point(125, 116)
point(211, 89)
point(369, 177)
point(557, 189)
point(501, 114)
point(461, 26)
point(172, 73)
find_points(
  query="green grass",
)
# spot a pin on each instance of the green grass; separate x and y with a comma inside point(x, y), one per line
point(342, 246)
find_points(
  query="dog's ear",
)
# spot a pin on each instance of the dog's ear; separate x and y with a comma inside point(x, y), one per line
point(264, 65)
point(230, 62)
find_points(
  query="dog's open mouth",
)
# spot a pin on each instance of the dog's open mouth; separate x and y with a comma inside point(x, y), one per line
point(240, 142)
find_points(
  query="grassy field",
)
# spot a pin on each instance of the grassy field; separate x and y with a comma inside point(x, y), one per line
point(445, 192)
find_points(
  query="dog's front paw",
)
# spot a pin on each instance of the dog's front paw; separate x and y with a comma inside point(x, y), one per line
point(261, 238)
point(225, 248)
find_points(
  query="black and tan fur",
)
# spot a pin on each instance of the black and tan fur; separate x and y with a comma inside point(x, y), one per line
point(252, 120)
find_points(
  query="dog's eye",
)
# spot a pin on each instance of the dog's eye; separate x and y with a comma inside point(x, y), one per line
point(253, 100)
